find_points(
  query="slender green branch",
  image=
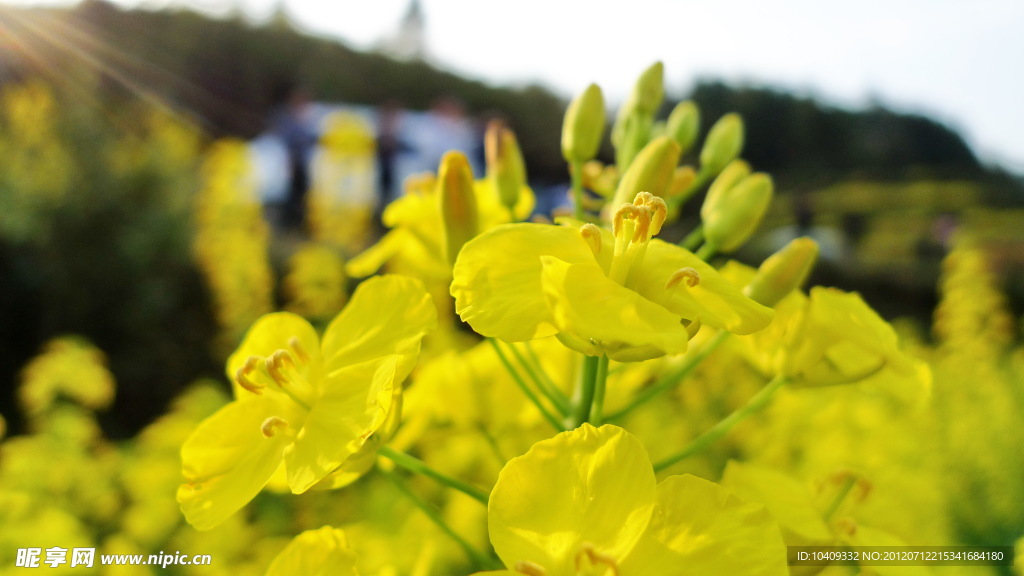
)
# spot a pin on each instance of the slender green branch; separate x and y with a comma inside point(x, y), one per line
point(706, 251)
point(694, 239)
point(576, 173)
point(482, 560)
point(583, 399)
point(702, 178)
point(672, 379)
point(418, 466)
point(600, 382)
point(548, 382)
point(551, 418)
point(492, 443)
point(543, 383)
point(699, 444)
point(840, 496)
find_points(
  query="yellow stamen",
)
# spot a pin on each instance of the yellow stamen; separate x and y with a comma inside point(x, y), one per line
point(692, 327)
point(272, 426)
point(624, 211)
point(276, 365)
point(242, 375)
point(588, 552)
point(300, 352)
point(529, 568)
point(658, 210)
point(690, 275)
point(591, 234)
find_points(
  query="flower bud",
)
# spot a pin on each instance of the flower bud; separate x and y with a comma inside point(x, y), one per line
point(583, 126)
point(652, 171)
point(723, 144)
point(783, 272)
point(732, 175)
point(505, 167)
point(731, 215)
point(682, 181)
point(459, 214)
point(683, 125)
point(649, 90)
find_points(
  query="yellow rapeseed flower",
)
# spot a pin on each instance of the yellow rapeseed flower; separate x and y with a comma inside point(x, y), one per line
point(303, 403)
point(586, 503)
point(314, 552)
point(619, 293)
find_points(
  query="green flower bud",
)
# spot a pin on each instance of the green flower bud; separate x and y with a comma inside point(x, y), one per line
point(652, 171)
point(583, 126)
point(730, 215)
point(783, 272)
point(505, 167)
point(649, 90)
point(683, 125)
point(459, 213)
point(723, 144)
point(634, 123)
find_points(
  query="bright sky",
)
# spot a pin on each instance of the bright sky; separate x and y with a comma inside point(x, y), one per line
point(960, 62)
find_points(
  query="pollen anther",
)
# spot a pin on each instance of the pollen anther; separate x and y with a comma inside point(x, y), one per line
point(591, 234)
point(242, 375)
point(272, 426)
point(300, 352)
point(589, 552)
point(529, 568)
point(690, 275)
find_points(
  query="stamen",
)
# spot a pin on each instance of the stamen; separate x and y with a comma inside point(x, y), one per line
point(692, 327)
point(626, 210)
point(300, 352)
point(277, 364)
point(642, 232)
point(529, 568)
point(588, 552)
point(591, 234)
point(690, 275)
point(242, 375)
point(660, 210)
point(272, 426)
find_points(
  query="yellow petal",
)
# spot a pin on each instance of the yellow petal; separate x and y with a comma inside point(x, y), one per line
point(354, 402)
point(788, 500)
point(698, 527)
point(373, 258)
point(714, 300)
point(585, 303)
point(321, 552)
point(273, 332)
point(497, 278)
point(386, 315)
point(227, 460)
point(590, 486)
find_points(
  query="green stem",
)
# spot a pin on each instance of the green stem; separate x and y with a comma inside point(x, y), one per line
point(699, 444)
point(551, 418)
point(670, 380)
point(548, 382)
point(543, 383)
point(418, 466)
point(600, 382)
point(479, 558)
point(706, 251)
point(693, 188)
point(576, 173)
point(844, 491)
point(694, 239)
point(492, 443)
point(583, 399)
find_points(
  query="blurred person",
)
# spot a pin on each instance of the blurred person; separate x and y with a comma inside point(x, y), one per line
point(293, 124)
point(390, 144)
